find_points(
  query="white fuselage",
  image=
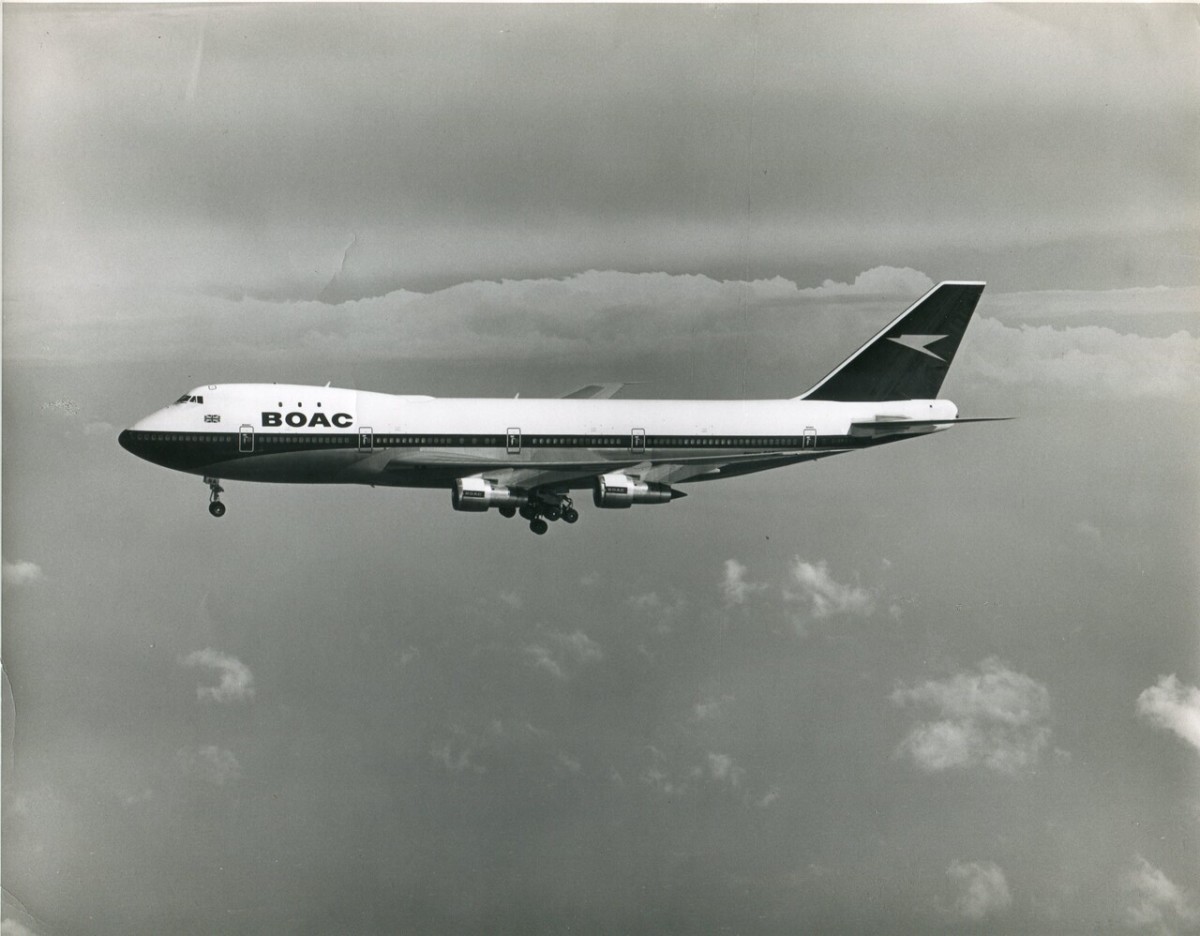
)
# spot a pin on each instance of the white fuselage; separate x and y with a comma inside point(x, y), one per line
point(291, 433)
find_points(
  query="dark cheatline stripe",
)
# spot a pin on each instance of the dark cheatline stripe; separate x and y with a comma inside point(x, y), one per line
point(190, 450)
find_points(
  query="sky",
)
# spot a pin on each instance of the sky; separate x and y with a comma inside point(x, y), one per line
point(949, 686)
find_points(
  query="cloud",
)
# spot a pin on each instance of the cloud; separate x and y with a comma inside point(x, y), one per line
point(657, 778)
point(1155, 900)
point(212, 764)
point(734, 586)
point(710, 709)
point(21, 572)
point(455, 760)
point(828, 597)
point(993, 718)
point(237, 682)
point(544, 659)
point(655, 605)
point(723, 770)
point(716, 772)
point(982, 889)
point(61, 407)
point(10, 927)
point(512, 599)
point(1172, 705)
point(564, 652)
point(1088, 360)
point(879, 281)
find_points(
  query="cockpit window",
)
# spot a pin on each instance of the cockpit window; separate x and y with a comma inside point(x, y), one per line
point(187, 398)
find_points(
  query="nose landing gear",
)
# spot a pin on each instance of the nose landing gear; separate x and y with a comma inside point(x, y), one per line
point(215, 507)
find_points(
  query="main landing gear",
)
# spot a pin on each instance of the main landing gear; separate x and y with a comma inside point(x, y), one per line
point(538, 512)
point(215, 507)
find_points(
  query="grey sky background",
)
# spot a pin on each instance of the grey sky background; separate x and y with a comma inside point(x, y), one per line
point(946, 686)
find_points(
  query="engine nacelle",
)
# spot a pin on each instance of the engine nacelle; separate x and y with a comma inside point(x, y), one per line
point(618, 490)
point(479, 494)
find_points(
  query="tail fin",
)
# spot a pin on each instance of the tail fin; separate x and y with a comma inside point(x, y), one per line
point(908, 360)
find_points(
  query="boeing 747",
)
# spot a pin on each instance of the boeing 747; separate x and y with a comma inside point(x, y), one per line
point(527, 456)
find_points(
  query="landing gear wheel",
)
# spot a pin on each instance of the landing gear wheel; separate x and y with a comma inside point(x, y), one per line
point(215, 507)
point(508, 511)
point(570, 515)
point(551, 512)
point(528, 512)
point(539, 526)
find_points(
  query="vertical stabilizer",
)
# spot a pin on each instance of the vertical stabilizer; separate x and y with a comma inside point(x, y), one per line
point(908, 360)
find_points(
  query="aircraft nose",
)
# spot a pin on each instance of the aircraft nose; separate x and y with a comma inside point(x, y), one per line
point(125, 440)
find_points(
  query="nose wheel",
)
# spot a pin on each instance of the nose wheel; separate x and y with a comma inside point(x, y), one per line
point(215, 507)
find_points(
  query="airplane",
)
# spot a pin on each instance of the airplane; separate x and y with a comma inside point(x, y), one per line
point(525, 456)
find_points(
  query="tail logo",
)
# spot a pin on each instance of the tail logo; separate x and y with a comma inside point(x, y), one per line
point(919, 343)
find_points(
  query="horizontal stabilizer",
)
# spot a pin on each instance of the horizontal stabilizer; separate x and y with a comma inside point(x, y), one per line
point(895, 427)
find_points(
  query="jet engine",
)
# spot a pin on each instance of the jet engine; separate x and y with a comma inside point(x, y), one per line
point(618, 490)
point(478, 494)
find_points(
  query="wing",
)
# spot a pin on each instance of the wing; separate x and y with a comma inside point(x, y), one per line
point(551, 473)
point(595, 392)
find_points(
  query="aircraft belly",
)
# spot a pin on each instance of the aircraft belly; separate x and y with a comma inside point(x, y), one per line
point(287, 467)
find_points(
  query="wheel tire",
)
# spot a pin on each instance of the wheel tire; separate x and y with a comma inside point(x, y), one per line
point(508, 511)
point(528, 511)
point(570, 515)
point(217, 509)
point(552, 513)
point(539, 526)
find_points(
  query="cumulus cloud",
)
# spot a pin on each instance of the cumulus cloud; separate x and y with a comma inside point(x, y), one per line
point(1172, 705)
point(722, 769)
point(561, 653)
point(982, 889)
point(1087, 360)
point(879, 281)
point(734, 586)
point(237, 682)
point(212, 764)
point(603, 314)
point(993, 717)
point(826, 596)
point(715, 773)
point(21, 572)
point(1154, 900)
